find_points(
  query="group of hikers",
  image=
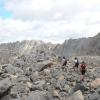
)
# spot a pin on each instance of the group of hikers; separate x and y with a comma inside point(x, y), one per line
point(77, 66)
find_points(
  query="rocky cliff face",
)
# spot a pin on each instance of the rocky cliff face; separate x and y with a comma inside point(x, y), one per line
point(79, 47)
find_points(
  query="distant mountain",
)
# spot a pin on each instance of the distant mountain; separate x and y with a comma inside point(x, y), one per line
point(79, 47)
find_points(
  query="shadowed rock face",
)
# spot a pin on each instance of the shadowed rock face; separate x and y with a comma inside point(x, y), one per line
point(5, 86)
point(79, 47)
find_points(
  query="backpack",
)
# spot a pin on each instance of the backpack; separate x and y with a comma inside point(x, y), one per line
point(83, 67)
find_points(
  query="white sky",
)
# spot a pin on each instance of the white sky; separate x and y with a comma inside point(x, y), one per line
point(50, 20)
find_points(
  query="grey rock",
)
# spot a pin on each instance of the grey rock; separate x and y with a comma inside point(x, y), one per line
point(23, 79)
point(38, 85)
point(55, 73)
point(98, 90)
point(8, 97)
point(19, 63)
point(5, 86)
point(43, 65)
point(76, 96)
point(19, 89)
point(34, 76)
point(53, 81)
point(94, 96)
point(13, 70)
point(37, 95)
point(60, 84)
point(80, 86)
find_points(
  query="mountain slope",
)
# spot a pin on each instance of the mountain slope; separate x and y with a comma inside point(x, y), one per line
point(79, 47)
point(10, 51)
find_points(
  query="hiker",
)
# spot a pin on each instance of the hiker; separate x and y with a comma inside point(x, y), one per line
point(64, 64)
point(76, 64)
point(82, 70)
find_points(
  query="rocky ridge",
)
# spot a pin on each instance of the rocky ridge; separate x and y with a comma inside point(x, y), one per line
point(10, 51)
point(79, 47)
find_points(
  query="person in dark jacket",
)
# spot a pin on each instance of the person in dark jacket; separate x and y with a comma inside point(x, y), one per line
point(76, 61)
point(64, 64)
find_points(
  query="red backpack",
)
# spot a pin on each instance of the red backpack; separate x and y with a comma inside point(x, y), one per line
point(83, 67)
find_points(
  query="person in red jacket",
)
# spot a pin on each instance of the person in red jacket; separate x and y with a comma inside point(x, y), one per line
point(83, 70)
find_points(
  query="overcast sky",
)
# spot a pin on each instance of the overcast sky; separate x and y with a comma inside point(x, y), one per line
point(48, 20)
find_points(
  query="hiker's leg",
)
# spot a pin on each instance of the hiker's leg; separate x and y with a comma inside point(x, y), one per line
point(83, 72)
point(81, 78)
point(77, 68)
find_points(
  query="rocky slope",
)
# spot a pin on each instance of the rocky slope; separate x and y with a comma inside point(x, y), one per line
point(25, 80)
point(10, 51)
point(30, 70)
point(79, 47)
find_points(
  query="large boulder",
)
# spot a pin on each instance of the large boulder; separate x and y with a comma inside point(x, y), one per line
point(76, 96)
point(8, 97)
point(94, 96)
point(22, 79)
point(5, 86)
point(47, 71)
point(12, 70)
point(80, 86)
point(34, 76)
point(28, 71)
point(43, 65)
point(19, 63)
point(37, 95)
point(19, 89)
point(95, 84)
point(38, 85)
